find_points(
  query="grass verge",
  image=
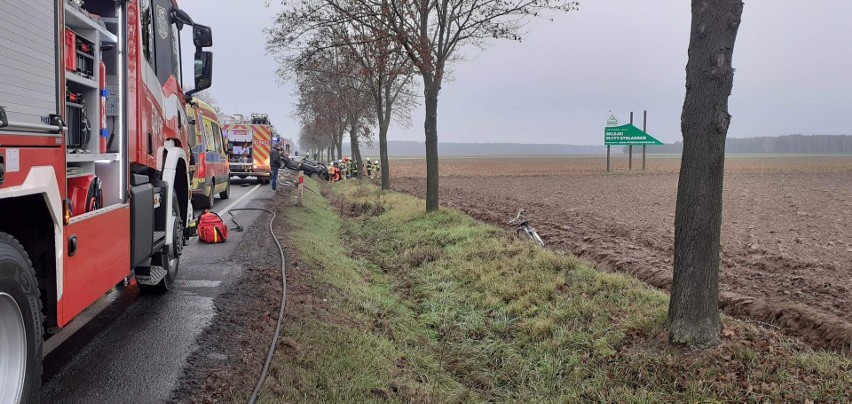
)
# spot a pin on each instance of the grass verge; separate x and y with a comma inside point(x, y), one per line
point(395, 304)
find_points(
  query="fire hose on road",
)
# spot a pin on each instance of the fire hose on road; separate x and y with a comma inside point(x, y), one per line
point(277, 334)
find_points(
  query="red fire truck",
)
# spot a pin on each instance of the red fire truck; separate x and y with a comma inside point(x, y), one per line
point(94, 186)
point(249, 145)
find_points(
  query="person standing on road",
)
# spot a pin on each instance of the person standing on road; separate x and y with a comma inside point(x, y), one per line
point(275, 165)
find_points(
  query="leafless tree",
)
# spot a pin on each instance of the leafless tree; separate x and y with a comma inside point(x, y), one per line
point(388, 78)
point(335, 99)
point(313, 139)
point(693, 317)
point(432, 33)
point(306, 31)
point(321, 114)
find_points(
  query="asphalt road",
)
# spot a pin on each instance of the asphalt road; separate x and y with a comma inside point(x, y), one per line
point(133, 347)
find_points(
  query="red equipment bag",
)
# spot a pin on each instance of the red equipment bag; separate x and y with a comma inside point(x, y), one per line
point(211, 228)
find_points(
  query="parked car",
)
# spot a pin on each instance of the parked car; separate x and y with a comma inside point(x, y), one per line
point(313, 169)
point(211, 172)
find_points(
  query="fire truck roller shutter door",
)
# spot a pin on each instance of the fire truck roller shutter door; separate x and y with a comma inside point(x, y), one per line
point(29, 55)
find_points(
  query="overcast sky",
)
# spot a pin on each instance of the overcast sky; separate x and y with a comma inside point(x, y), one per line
point(792, 58)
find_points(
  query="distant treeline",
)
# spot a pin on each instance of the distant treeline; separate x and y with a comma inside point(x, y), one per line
point(397, 148)
point(797, 144)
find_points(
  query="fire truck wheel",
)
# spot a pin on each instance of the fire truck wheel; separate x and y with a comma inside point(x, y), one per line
point(21, 330)
point(227, 192)
point(170, 260)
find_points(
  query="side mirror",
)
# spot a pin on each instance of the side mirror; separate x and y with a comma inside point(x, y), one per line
point(202, 36)
point(181, 18)
point(203, 71)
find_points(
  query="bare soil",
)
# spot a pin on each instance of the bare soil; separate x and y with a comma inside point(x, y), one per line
point(786, 232)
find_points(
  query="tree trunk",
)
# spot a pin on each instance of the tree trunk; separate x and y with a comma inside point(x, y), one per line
point(693, 317)
point(384, 108)
point(356, 149)
point(432, 86)
point(383, 156)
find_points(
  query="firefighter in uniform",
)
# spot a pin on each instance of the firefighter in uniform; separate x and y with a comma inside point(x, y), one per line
point(333, 172)
point(369, 167)
point(377, 169)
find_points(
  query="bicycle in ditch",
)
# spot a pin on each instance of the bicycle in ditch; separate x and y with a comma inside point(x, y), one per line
point(525, 229)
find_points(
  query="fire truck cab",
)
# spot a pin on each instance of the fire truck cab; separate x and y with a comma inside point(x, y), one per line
point(94, 183)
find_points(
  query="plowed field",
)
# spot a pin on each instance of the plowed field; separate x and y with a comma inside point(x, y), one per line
point(786, 232)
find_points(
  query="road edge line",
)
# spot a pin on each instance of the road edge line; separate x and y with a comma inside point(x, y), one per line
point(234, 204)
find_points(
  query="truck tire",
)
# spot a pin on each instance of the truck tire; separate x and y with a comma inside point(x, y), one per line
point(227, 192)
point(169, 260)
point(21, 330)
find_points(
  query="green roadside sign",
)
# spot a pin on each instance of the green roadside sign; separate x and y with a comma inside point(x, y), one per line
point(626, 135)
